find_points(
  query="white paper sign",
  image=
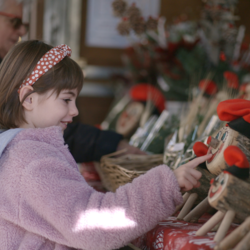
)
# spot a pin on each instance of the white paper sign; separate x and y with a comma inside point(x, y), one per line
point(101, 24)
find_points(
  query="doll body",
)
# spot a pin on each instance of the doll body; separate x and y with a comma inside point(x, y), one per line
point(228, 192)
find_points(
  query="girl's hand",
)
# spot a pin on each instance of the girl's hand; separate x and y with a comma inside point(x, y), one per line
point(187, 176)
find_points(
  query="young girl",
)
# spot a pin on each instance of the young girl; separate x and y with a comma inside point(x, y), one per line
point(45, 203)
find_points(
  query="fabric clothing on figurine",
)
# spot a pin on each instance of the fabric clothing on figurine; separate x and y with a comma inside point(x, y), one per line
point(46, 203)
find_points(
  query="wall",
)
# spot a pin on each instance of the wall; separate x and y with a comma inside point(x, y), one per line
point(170, 9)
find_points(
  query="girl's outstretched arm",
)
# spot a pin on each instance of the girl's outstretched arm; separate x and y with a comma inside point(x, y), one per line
point(67, 211)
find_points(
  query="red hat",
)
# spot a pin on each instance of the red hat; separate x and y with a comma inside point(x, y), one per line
point(237, 162)
point(143, 91)
point(200, 148)
point(237, 112)
point(208, 86)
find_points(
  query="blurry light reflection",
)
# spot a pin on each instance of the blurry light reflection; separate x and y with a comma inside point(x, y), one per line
point(106, 219)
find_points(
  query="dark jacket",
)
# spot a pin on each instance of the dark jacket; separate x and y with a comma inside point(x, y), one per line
point(88, 143)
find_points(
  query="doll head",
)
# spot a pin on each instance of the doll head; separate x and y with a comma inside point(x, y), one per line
point(236, 132)
point(32, 64)
point(137, 112)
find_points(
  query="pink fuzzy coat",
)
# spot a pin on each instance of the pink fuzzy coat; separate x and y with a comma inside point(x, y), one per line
point(46, 204)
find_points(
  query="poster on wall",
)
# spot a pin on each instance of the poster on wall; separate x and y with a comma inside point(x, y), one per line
point(101, 24)
point(62, 23)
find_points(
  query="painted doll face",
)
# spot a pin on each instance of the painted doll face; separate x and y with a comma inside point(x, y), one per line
point(217, 188)
point(224, 138)
point(129, 118)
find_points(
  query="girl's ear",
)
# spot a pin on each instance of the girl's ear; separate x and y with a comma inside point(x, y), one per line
point(28, 101)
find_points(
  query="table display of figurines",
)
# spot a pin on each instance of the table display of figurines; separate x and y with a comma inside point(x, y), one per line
point(229, 194)
point(235, 132)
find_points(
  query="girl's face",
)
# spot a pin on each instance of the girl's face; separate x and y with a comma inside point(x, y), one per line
point(52, 110)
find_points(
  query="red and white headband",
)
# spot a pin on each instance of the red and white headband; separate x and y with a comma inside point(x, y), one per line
point(51, 58)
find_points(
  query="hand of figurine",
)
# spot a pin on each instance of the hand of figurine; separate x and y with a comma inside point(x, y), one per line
point(129, 149)
point(187, 176)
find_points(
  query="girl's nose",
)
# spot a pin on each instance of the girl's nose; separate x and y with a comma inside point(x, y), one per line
point(74, 110)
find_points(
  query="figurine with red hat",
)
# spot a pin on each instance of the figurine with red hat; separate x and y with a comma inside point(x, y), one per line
point(235, 132)
point(229, 193)
point(137, 109)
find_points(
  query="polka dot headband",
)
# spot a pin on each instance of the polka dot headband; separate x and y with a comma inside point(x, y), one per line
point(51, 58)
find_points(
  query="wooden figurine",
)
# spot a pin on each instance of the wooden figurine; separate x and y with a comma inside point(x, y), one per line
point(229, 194)
point(129, 119)
point(136, 111)
point(236, 132)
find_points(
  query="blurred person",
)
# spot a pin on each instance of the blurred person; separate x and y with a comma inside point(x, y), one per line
point(11, 26)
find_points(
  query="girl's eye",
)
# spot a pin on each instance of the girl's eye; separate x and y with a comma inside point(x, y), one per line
point(67, 100)
point(218, 135)
point(224, 136)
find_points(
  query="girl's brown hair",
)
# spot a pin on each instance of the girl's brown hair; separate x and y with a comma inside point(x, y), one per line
point(17, 65)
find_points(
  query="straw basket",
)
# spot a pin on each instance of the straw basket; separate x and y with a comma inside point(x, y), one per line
point(116, 170)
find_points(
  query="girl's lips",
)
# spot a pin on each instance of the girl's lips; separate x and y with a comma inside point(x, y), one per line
point(65, 124)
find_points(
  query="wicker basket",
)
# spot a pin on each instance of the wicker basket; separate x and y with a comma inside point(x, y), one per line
point(116, 170)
